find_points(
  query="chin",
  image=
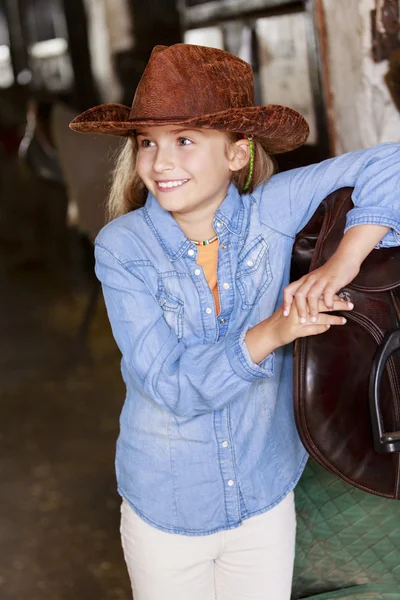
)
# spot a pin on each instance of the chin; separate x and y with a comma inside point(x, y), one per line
point(172, 202)
point(176, 207)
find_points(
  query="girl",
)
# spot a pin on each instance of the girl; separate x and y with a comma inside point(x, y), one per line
point(194, 272)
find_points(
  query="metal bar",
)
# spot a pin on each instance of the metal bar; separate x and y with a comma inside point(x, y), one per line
point(19, 55)
point(316, 76)
point(219, 10)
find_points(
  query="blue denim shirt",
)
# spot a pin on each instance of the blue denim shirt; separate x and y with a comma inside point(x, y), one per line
point(208, 437)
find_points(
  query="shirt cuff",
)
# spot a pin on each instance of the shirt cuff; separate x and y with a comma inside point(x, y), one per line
point(376, 216)
point(241, 362)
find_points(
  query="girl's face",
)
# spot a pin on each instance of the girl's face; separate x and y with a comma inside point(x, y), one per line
point(187, 169)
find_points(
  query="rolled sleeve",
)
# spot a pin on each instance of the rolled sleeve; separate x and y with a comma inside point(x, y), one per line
point(376, 216)
point(241, 362)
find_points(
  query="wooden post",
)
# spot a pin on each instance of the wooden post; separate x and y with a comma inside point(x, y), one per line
point(154, 22)
point(85, 93)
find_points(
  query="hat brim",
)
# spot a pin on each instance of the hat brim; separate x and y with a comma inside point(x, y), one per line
point(281, 128)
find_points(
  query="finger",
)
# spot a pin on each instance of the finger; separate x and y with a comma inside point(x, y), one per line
point(327, 321)
point(313, 303)
point(310, 290)
point(328, 293)
point(287, 304)
point(301, 305)
point(335, 297)
point(300, 298)
point(319, 329)
point(337, 305)
point(288, 296)
point(332, 320)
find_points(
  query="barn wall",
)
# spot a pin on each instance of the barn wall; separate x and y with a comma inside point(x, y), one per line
point(364, 113)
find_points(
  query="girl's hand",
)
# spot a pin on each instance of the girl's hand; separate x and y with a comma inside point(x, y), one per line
point(324, 282)
point(287, 329)
point(277, 330)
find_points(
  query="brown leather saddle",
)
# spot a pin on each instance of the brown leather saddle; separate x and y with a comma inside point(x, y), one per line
point(347, 380)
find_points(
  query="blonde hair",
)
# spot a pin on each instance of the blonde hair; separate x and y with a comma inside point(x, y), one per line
point(128, 192)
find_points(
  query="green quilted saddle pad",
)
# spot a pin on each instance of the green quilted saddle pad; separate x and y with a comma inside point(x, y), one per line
point(371, 591)
point(345, 537)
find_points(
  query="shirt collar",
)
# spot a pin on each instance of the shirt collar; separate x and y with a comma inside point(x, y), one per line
point(171, 236)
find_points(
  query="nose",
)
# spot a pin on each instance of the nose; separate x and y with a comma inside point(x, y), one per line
point(163, 160)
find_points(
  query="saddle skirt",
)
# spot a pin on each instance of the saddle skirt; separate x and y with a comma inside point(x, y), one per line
point(347, 380)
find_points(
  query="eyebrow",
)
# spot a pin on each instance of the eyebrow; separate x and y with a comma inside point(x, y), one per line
point(172, 131)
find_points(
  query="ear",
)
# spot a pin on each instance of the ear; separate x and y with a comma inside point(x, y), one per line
point(239, 154)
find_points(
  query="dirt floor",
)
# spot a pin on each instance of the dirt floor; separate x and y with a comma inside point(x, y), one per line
point(59, 510)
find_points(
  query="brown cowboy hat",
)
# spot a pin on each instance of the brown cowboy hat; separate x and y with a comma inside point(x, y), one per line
point(198, 86)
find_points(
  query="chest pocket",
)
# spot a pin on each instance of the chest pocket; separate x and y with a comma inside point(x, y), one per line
point(254, 273)
point(172, 309)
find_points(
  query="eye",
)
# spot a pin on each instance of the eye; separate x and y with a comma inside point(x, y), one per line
point(145, 143)
point(184, 141)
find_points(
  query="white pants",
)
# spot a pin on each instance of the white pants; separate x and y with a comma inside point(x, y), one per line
point(254, 561)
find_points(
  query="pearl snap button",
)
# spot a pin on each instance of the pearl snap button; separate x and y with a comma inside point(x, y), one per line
point(191, 252)
point(208, 310)
point(226, 286)
point(163, 301)
point(225, 444)
point(231, 483)
point(250, 263)
point(219, 224)
point(197, 271)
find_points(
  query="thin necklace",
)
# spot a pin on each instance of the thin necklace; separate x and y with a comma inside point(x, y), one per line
point(205, 242)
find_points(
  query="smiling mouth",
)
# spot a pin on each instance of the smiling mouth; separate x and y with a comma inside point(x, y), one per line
point(170, 185)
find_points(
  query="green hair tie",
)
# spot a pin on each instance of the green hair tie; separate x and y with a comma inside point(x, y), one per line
point(251, 165)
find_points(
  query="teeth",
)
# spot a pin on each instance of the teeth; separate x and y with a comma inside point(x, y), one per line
point(171, 184)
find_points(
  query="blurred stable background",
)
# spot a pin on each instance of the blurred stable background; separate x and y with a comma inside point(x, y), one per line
point(335, 61)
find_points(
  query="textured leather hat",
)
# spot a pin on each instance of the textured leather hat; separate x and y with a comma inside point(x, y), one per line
point(200, 87)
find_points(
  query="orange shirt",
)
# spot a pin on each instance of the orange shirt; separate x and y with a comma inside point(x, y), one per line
point(207, 257)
